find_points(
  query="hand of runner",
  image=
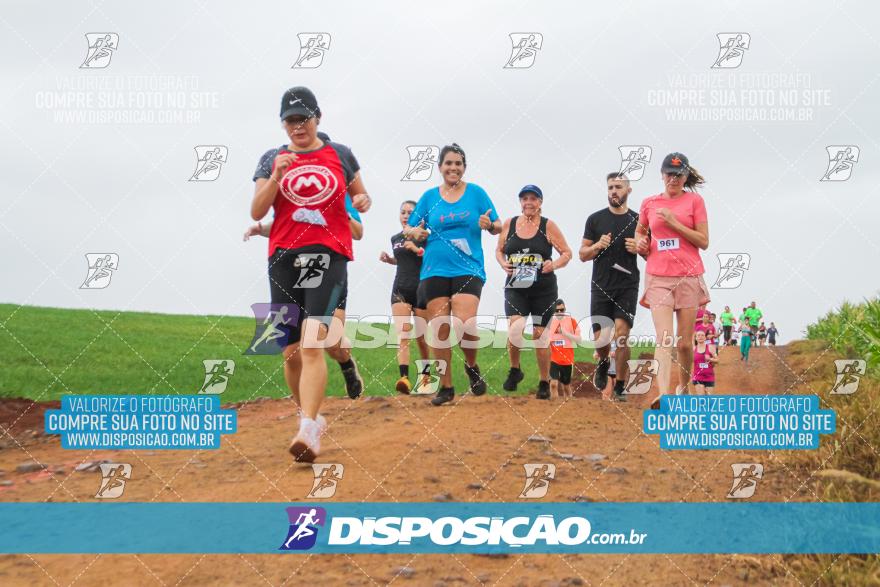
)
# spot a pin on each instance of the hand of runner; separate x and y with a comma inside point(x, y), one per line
point(667, 216)
point(282, 163)
point(361, 202)
point(413, 247)
point(604, 241)
point(643, 247)
point(632, 246)
point(508, 268)
point(485, 221)
point(385, 257)
point(253, 230)
point(417, 233)
point(547, 266)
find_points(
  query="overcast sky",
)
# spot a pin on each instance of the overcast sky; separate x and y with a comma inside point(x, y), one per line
point(404, 73)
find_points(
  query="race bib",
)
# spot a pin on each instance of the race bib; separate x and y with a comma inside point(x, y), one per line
point(525, 269)
point(558, 343)
point(667, 244)
point(309, 216)
point(461, 244)
point(704, 365)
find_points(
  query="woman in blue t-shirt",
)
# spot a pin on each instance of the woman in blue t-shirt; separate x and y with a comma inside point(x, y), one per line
point(452, 217)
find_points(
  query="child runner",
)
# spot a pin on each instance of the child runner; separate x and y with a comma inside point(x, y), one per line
point(565, 334)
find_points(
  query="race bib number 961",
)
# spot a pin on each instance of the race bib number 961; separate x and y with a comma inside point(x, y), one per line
point(667, 244)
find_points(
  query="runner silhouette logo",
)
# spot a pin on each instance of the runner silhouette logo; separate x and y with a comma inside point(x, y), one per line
point(303, 530)
point(312, 47)
point(422, 159)
point(841, 160)
point(525, 47)
point(113, 478)
point(732, 268)
point(102, 46)
point(209, 161)
point(633, 160)
point(745, 479)
point(327, 478)
point(731, 48)
point(217, 374)
point(849, 373)
point(102, 266)
point(273, 324)
point(538, 477)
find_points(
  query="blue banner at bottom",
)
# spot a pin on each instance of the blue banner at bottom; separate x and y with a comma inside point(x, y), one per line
point(555, 528)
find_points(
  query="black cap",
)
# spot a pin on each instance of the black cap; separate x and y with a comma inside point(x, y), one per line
point(559, 302)
point(299, 101)
point(533, 189)
point(675, 163)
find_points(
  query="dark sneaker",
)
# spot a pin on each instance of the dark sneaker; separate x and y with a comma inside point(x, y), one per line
point(478, 385)
point(600, 376)
point(543, 390)
point(445, 395)
point(354, 383)
point(514, 376)
point(618, 394)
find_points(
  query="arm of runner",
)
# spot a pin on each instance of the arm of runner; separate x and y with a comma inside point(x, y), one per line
point(557, 239)
point(258, 229)
point(643, 237)
point(416, 233)
point(486, 222)
point(590, 250)
point(265, 190)
point(357, 229)
point(360, 199)
point(499, 248)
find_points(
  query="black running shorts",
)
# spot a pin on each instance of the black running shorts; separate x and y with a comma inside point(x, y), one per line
point(313, 278)
point(446, 287)
point(561, 373)
point(614, 304)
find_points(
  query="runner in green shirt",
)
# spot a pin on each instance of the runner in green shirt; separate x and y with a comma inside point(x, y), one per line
point(754, 315)
point(727, 322)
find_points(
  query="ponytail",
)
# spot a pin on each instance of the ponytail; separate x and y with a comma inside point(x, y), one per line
point(694, 179)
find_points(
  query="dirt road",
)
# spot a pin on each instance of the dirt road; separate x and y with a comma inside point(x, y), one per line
point(401, 449)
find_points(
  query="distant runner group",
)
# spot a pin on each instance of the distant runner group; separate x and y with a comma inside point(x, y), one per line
point(314, 187)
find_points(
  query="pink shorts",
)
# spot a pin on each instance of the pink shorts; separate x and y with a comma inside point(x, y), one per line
point(675, 292)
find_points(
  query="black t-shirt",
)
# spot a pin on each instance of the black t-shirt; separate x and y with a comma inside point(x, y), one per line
point(606, 276)
point(408, 263)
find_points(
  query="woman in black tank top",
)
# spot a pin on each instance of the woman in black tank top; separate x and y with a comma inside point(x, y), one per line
point(407, 256)
point(525, 252)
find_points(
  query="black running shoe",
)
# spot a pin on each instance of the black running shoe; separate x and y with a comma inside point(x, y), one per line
point(543, 390)
point(445, 395)
point(618, 395)
point(600, 376)
point(354, 383)
point(478, 385)
point(514, 376)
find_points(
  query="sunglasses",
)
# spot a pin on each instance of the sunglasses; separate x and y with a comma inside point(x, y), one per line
point(560, 309)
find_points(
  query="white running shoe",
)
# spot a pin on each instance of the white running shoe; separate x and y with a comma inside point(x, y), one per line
point(321, 421)
point(306, 445)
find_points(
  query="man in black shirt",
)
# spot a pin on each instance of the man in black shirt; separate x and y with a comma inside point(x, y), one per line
point(610, 242)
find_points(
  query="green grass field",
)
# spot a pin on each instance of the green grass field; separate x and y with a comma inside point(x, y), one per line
point(50, 352)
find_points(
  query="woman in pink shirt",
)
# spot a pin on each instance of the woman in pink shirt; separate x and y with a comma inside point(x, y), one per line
point(673, 227)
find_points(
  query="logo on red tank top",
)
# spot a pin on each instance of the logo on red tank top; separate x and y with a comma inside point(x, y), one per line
point(308, 185)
